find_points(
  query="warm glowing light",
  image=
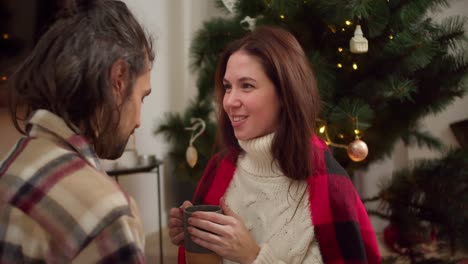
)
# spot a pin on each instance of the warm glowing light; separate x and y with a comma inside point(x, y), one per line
point(343, 29)
point(357, 132)
point(6, 36)
point(340, 49)
point(4, 78)
point(282, 16)
point(355, 67)
point(322, 129)
point(348, 23)
point(341, 136)
point(339, 65)
point(390, 36)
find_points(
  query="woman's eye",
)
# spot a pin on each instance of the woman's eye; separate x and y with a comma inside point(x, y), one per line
point(227, 87)
point(247, 85)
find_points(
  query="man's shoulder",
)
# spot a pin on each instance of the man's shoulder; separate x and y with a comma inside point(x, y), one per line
point(29, 155)
point(63, 193)
point(39, 169)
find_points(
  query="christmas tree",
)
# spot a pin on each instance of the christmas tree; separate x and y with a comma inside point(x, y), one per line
point(427, 206)
point(413, 67)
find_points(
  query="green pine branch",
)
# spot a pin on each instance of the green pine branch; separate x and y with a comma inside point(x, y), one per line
point(432, 192)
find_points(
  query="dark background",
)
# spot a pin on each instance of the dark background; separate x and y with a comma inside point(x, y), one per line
point(22, 22)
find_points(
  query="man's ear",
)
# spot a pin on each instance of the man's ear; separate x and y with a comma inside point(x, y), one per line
point(119, 80)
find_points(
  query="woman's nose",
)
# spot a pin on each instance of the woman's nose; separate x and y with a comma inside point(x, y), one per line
point(232, 99)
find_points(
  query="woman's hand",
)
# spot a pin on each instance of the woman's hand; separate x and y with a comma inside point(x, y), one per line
point(227, 235)
point(176, 223)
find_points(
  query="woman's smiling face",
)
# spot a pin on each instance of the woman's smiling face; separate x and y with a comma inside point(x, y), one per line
point(250, 98)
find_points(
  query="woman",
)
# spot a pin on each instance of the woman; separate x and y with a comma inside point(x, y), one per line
point(285, 199)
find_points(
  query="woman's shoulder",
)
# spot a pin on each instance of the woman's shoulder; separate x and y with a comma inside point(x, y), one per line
point(324, 160)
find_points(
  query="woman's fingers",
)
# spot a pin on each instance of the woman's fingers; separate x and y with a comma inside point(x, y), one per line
point(207, 240)
point(176, 212)
point(206, 236)
point(177, 239)
point(214, 217)
point(215, 247)
point(175, 222)
point(186, 204)
point(175, 231)
point(222, 225)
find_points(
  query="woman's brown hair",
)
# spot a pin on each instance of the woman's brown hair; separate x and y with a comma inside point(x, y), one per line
point(286, 65)
point(68, 72)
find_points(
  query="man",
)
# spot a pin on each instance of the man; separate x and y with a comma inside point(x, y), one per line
point(80, 92)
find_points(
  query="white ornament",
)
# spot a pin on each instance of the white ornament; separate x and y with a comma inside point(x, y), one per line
point(248, 23)
point(230, 4)
point(191, 154)
point(358, 44)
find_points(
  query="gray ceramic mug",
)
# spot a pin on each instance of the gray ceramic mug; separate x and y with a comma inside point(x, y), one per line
point(189, 244)
point(195, 253)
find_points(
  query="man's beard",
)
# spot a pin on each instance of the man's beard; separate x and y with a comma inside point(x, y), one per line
point(112, 149)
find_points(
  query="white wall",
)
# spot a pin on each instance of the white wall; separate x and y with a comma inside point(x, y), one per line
point(172, 23)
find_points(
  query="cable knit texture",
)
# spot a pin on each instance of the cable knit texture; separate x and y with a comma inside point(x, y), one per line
point(274, 208)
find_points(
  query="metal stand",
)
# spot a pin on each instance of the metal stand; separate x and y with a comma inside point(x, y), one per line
point(153, 167)
point(161, 257)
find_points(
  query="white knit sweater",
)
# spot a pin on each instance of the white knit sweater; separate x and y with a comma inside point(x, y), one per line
point(266, 200)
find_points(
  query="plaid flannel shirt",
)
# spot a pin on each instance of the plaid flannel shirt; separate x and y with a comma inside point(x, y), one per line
point(58, 206)
point(340, 220)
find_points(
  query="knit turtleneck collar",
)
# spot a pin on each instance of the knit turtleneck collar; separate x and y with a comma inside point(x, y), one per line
point(257, 159)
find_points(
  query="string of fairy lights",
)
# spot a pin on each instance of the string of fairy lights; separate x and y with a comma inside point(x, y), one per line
point(357, 149)
point(3, 75)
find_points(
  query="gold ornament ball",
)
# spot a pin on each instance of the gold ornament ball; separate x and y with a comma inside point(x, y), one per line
point(357, 150)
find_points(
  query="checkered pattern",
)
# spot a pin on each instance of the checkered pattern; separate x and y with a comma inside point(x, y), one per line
point(57, 206)
point(340, 220)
